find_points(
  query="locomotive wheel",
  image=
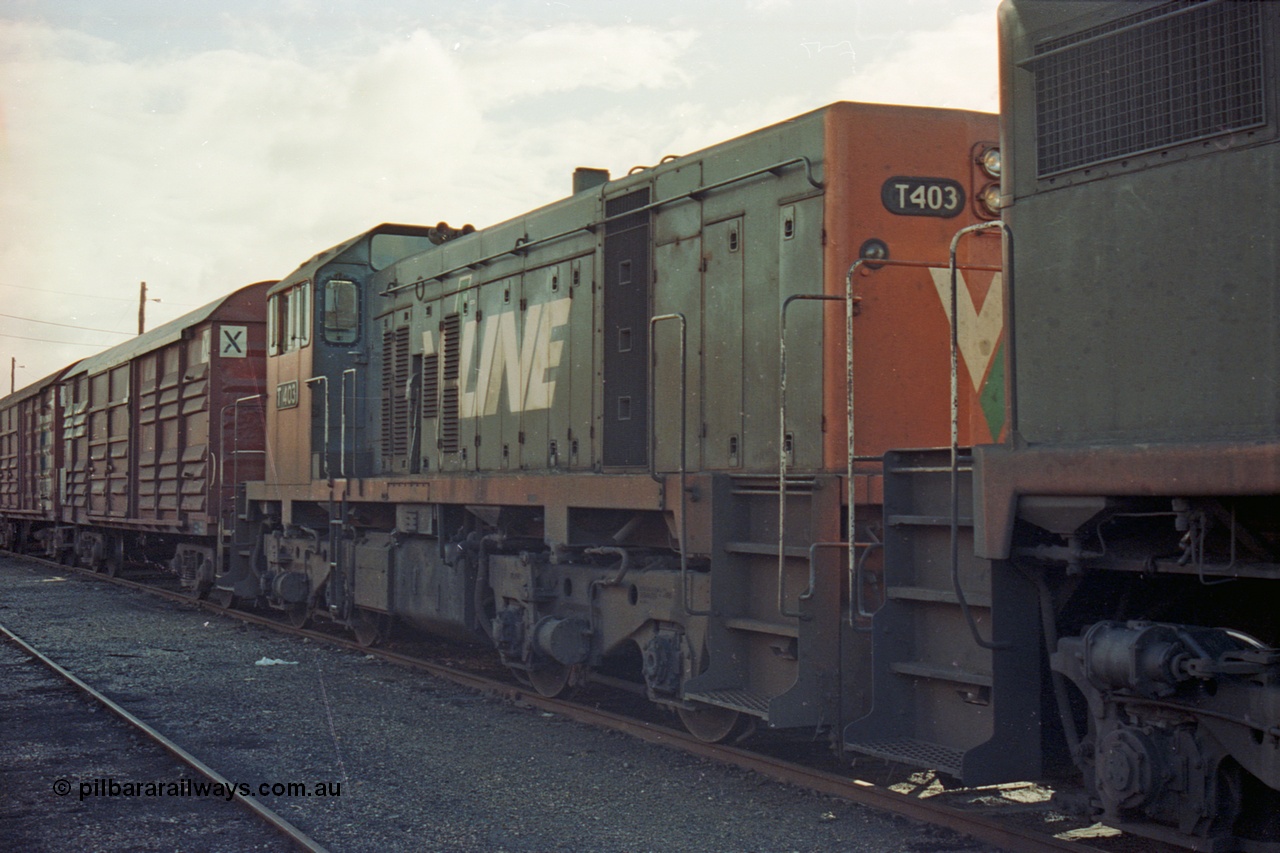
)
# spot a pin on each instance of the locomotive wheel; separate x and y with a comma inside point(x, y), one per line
point(711, 723)
point(552, 681)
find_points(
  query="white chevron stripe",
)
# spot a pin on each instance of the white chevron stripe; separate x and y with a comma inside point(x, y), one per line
point(979, 332)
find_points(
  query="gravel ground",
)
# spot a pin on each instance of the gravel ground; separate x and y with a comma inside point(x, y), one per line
point(104, 751)
point(407, 761)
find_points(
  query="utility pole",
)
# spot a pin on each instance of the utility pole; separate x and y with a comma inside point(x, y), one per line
point(142, 307)
point(13, 374)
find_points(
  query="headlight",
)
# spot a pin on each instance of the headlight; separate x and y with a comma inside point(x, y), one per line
point(989, 197)
point(990, 162)
point(873, 250)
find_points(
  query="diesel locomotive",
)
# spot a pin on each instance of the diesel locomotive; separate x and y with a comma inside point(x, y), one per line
point(612, 436)
point(956, 442)
point(1126, 532)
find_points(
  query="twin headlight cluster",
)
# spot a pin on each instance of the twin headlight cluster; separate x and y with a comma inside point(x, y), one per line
point(989, 195)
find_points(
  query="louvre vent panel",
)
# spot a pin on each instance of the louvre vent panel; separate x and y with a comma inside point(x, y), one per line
point(449, 438)
point(451, 331)
point(396, 405)
point(1174, 74)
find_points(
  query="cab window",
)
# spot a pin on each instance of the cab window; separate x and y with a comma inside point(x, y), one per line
point(289, 319)
point(341, 311)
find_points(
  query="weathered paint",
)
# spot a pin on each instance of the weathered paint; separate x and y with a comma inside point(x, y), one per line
point(522, 358)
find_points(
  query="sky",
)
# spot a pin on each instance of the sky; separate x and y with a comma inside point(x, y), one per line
point(203, 145)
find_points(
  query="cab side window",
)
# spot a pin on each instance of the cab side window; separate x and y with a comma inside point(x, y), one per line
point(289, 319)
point(341, 311)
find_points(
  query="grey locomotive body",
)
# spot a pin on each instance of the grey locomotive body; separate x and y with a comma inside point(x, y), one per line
point(1130, 521)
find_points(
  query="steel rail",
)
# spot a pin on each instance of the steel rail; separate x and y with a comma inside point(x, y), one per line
point(297, 836)
point(820, 781)
point(776, 769)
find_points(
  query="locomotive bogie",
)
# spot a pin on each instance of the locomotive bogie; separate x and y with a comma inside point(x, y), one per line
point(582, 614)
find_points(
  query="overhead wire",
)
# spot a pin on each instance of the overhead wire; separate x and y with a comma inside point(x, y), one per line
point(61, 343)
point(134, 300)
point(66, 325)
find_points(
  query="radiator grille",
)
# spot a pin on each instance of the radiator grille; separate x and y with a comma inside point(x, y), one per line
point(395, 384)
point(449, 438)
point(451, 333)
point(1176, 73)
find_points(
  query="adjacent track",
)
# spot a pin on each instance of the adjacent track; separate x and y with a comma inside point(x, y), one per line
point(271, 818)
point(976, 825)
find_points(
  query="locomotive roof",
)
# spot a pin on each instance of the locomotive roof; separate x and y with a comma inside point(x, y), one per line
point(154, 339)
point(305, 269)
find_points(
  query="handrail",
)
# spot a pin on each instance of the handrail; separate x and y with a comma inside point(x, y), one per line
point(813, 571)
point(955, 437)
point(782, 428)
point(221, 457)
point(342, 437)
point(219, 460)
point(855, 608)
point(856, 603)
point(653, 462)
point(324, 456)
point(523, 244)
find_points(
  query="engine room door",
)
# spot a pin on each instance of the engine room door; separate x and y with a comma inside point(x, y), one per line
point(627, 284)
point(723, 357)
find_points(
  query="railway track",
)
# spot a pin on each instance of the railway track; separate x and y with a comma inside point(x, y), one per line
point(989, 815)
point(296, 837)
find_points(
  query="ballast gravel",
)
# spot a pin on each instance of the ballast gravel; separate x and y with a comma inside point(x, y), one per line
point(394, 759)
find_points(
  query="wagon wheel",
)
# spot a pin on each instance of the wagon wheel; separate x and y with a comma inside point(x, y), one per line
point(88, 554)
point(300, 615)
point(713, 724)
point(113, 562)
point(370, 629)
point(553, 680)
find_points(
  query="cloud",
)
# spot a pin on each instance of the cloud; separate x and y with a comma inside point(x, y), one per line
point(952, 66)
point(234, 158)
point(574, 56)
point(201, 173)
